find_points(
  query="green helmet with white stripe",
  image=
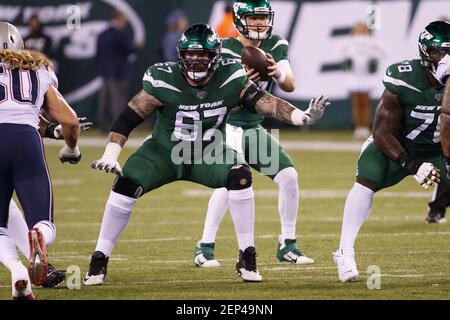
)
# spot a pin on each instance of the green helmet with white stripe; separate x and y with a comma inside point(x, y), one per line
point(434, 43)
point(256, 29)
point(199, 51)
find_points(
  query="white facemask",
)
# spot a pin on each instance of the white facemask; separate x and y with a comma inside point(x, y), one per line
point(197, 75)
point(257, 35)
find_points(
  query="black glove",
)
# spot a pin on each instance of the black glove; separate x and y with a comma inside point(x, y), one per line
point(54, 130)
point(409, 163)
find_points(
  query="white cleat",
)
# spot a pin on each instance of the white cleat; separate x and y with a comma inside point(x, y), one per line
point(294, 258)
point(249, 276)
point(346, 264)
point(201, 261)
point(246, 265)
point(93, 280)
point(204, 255)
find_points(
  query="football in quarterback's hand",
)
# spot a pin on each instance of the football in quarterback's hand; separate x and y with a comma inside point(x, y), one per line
point(255, 58)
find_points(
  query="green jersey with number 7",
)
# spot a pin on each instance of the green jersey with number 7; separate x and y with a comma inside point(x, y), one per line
point(421, 104)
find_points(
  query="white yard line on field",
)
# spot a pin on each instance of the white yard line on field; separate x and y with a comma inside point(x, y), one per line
point(274, 236)
point(324, 145)
point(315, 193)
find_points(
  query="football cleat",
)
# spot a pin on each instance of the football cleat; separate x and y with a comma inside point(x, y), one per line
point(38, 261)
point(435, 217)
point(54, 277)
point(289, 252)
point(204, 255)
point(246, 265)
point(346, 264)
point(97, 269)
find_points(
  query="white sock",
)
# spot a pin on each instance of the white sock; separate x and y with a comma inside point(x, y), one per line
point(48, 230)
point(356, 211)
point(18, 229)
point(19, 272)
point(242, 209)
point(288, 202)
point(115, 219)
point(217, 207)
point(8, 253)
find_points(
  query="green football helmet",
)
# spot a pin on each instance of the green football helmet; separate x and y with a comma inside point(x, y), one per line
point(199, 51)
point(434, 43)
point(243, 9)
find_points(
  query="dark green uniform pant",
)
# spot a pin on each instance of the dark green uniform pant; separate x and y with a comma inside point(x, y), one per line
point(261, 150)
point(381, 172)
point(153, 166)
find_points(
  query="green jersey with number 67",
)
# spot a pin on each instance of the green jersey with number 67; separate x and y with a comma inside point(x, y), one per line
point(188, 113)
point(421, 104)
point(232, 48)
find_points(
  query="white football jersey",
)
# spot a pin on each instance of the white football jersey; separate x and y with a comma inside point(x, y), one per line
point(22, 94)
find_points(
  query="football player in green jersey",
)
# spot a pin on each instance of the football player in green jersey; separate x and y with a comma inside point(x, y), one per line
point(254, 21)
point(192, 99)
point(405, 140)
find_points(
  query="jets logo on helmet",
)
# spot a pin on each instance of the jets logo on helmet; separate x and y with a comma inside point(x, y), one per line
point(434, 43)
point(253, 18)
point(199, 51)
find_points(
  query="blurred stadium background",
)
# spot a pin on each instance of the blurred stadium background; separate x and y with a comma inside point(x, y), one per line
point(317, 31)
point(154, 258)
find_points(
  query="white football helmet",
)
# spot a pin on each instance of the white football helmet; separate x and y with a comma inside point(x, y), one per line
point(10, 37)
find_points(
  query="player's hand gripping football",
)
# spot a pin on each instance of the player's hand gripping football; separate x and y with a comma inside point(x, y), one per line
point(252, 75)
point(427, 175)
point(54, 130)
point(316, 109)
point(108, 161)
point(71, 155)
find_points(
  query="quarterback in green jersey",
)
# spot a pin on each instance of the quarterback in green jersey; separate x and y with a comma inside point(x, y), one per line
point(406, 139)
point(254, 21)
point(192, 99)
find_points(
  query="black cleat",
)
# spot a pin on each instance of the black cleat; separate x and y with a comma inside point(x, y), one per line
point(97, 269)
point(435, 217)
point(54, 277)
point(246, 265)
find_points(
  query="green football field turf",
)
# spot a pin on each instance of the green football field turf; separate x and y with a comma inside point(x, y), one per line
point(153, 259)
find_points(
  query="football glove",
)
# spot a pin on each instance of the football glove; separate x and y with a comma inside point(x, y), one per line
point(443, 69)
point(54, 130)
point(71, 155)
point(427, 175)
point(108, 161)
point(316, 109)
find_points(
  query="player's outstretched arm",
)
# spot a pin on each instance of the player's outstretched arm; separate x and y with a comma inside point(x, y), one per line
point(54, 130)
point(264, 103)
point(388, 120)
point(445, 125)
point(140, 107)
point(57, 108)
